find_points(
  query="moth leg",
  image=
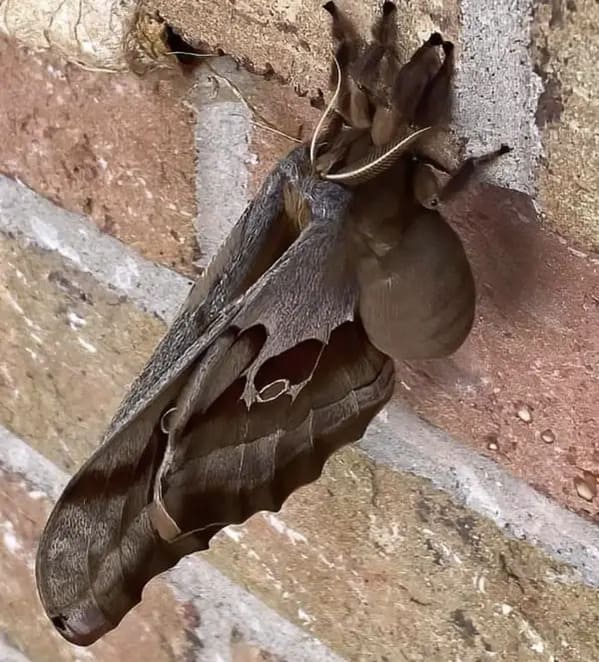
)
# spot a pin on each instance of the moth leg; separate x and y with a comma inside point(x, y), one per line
point(433, 184)
point(407, 89)
point(344, 34)
point(463, 175)
point(353, 101)
point(415, 76)
point(379, 71)
point(381, 58)
point(435, 106)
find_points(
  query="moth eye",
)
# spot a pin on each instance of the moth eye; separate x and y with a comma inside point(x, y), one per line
point(273, 391)
point(434, 202)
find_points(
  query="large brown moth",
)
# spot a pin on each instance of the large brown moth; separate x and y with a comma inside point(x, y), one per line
point(283, 351)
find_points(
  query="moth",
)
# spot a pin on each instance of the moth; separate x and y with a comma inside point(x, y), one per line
point(284, 349)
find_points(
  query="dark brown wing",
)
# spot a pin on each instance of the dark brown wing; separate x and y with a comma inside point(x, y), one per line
point(276, 383)
point(417, 298)
point(233, 461)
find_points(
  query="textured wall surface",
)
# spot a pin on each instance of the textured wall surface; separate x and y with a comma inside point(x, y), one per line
point(464, 525)
point(566, 49)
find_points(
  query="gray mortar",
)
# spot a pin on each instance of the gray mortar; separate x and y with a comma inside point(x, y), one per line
point(222, 604)
point(407, 443)
point(403, 441)
point(8, 653)
point(222, 135)
point(497, 90)
point(17, 457)
point(36, 220)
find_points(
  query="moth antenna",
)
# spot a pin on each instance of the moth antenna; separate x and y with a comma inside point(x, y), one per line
point(191, 54)
point(325, 114)
point(375, 163)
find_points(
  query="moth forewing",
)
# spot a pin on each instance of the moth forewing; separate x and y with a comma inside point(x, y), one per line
point(199, 450)
point(283, 352)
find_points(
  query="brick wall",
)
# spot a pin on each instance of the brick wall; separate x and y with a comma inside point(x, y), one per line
point(463, 527)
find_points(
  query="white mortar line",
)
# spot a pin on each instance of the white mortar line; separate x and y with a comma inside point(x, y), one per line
point(223, 130)
point(405, 443)
point(221, 603)
point(10, 654)
point(35, 220)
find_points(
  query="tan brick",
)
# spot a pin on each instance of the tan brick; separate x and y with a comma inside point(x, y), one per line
point(68, 349)
point(383, 567)
point(566, 54)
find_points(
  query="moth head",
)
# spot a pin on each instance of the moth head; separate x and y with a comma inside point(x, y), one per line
point(379, 108)
point(427, 182)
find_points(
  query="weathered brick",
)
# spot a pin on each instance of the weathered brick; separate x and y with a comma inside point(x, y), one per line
point(117, 147)
point(68, 349)
point(348, 553)
point(565, 46)
point(378, 564)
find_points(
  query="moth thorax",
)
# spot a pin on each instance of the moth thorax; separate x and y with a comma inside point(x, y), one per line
point(296, 207)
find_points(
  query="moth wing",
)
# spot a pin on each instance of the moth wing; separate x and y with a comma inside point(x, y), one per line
point(112, 487)
point(261, 235)
point(417, 299)
point(239, 445)
point(233, 461)
point(311, 382)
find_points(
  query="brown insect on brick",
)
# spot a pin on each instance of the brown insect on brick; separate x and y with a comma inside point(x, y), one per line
point(283, 351)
